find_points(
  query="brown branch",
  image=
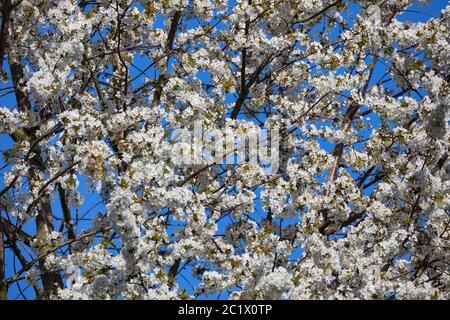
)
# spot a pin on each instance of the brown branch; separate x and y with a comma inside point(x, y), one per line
point(169, 46)
point(3, 283)
point(31, 150)
point(320, 12)
point(365, 176)
point(339, 148)
point(440, 163)
point(244, 91)
point(327, 227)
point(193, 175)
point(15, 248)
point(42, 189)
point(17, 75)
point(186, 42)
point(4, 31)
point(15, 233)
point(173, 271)
point(51, 251)
point(348, 118)
point(66, 213)
point(98, 88)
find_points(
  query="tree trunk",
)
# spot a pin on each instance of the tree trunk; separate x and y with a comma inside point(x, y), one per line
point(51, 280)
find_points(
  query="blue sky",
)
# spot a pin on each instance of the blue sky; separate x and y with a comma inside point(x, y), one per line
point(92, 202)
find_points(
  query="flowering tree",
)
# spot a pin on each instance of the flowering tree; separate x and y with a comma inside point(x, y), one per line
point(357, 206)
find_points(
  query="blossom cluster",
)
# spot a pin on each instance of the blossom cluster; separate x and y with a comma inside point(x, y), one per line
point(357, 207)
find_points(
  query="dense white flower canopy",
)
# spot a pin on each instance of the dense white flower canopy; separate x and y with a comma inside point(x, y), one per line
point(358, 207)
